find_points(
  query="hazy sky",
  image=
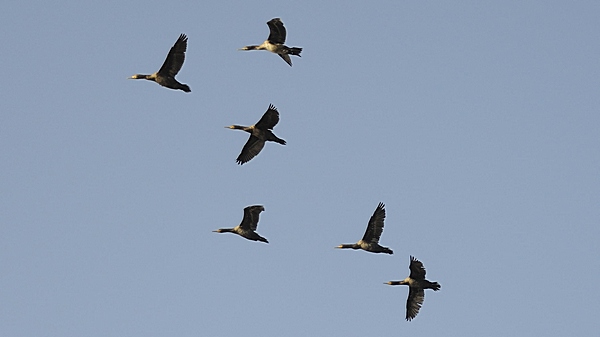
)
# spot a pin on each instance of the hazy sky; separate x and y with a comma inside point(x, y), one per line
point(477, 123)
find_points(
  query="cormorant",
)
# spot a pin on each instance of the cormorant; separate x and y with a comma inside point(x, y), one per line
point(259, 134)
point(165, 76)
point(248, 225)
point(370, 241)
point(417, 285)
point(275, 42)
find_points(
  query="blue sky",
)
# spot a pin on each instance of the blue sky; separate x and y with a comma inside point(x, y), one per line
point(476, 123)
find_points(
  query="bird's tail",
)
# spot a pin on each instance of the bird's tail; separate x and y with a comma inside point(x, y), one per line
point(294, 51)
point(184, 87)
point(435, 286)
point(278, 140)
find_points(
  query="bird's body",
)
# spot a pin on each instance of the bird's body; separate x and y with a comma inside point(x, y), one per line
point(165, 76)
point(248, 225)
point(259, 134)
point(370, 241)
point(417, 285)
point(275, 42)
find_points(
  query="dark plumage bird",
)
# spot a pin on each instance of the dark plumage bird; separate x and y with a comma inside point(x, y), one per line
point(165, 76)
point(275, 42)
point(417, 285)
point(259, 134)
point(248, 225)
point(370, 241)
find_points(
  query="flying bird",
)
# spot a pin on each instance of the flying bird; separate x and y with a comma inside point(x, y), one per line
point(370, 241)
point(275, 42)
point(248, 225)
point(417, 285)
point(165, 76)
point(259, 134)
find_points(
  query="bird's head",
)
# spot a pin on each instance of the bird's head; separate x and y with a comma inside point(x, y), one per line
point(135, 77)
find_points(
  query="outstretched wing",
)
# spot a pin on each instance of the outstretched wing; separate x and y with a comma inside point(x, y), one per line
point(416, 296)
point(252, 148)
point(375, 227)
point(277, 31)
point(417, 271)
point(286, 58)
point(175, 58)
point(251, 215)
point(269, 119)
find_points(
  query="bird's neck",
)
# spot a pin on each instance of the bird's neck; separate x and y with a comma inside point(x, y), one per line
point(244, 128)
point(349, 245)
point(142, 77)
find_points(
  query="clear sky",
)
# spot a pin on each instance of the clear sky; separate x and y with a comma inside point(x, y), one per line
point(477, 123)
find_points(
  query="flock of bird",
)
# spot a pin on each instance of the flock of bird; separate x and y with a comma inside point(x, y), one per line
point(260, 133)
